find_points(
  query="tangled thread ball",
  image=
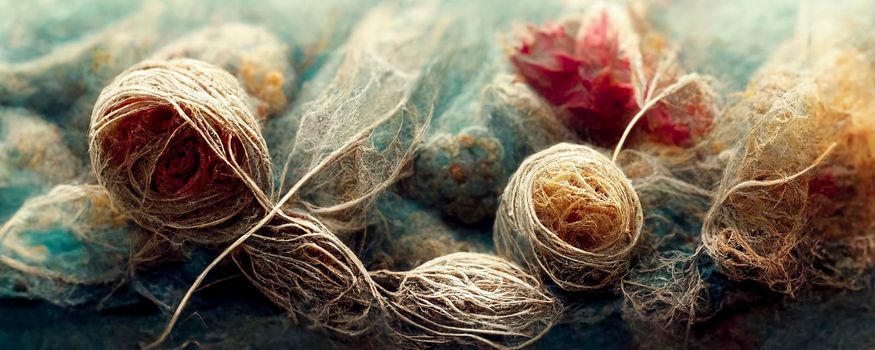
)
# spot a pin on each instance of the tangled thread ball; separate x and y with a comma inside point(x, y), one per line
point(176, 146)
point(757, 227)
point(305, 269)
point(468, 299)
point(571, 214)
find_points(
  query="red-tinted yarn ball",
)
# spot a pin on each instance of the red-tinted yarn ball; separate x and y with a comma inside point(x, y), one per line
point(175, 144)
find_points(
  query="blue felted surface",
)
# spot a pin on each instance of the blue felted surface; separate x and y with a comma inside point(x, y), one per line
point(471, 132)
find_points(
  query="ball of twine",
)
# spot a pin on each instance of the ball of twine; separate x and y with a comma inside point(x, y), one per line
point(308, 271)
point(176, 146)
point(468, 299)
point(571, 214)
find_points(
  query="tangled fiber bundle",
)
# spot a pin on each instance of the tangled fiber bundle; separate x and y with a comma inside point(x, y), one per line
point(571, 214)
point(795, 204)
point(360, 130)
point(756, 228)
point(468, 299)
point(304, 268)
point(64, 245)
point(178, 149)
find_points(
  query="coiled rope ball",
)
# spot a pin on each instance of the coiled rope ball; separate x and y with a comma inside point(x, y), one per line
point(176, 146)
point(572, 215)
